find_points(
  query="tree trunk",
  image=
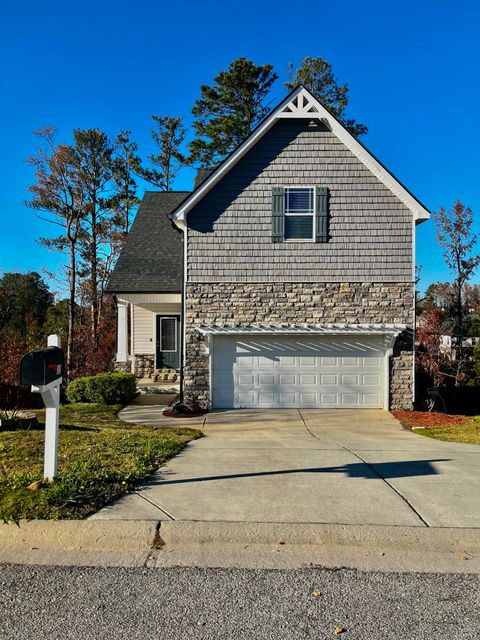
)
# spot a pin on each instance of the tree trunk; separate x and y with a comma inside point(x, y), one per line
point(71, 308)
point(459, 322)
point(94, 283)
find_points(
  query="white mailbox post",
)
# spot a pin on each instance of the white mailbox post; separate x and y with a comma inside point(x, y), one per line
point(43, 369)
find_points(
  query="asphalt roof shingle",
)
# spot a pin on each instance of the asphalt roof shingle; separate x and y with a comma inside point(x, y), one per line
point(151, 258)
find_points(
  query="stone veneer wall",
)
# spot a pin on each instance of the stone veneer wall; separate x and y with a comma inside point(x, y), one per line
point(144, 365)
point(290, 304)
point(123, 367)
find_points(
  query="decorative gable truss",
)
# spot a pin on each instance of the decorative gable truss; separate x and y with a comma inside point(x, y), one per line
point(300, 103)
point(301, 106)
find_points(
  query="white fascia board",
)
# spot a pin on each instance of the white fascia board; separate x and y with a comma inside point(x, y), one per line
point(302, 104)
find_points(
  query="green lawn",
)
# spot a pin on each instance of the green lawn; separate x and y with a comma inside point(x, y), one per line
point(100, 458)
point(468, 433)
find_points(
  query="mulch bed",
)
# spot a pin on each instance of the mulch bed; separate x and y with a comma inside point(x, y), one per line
point(170, 413)
point(428, 419)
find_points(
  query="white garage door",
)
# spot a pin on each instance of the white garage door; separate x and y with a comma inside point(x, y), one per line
point(298, 371)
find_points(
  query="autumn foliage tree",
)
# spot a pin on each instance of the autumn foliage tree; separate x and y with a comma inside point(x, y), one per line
point(87, 189)
point(24, 303)
point(429, 354)
point(458, 242)
point(58, 199)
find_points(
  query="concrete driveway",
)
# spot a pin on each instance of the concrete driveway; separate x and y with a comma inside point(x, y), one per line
point(317, 466)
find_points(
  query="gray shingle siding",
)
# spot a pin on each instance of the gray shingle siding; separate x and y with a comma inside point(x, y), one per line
point(229, 230)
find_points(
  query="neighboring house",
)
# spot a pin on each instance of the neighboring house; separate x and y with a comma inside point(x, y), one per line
point(299, 272)
point(447, 342)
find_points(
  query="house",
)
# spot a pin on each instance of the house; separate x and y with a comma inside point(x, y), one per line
point(298, 278)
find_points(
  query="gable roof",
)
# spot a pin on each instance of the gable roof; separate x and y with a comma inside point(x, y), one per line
point(300, 103)
point(151, 258)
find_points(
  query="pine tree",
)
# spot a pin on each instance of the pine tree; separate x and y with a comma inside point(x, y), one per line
point(94, 156)
point(227, 112)
point(316, 75)
point(167, 162)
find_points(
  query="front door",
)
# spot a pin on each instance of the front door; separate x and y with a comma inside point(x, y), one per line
point(168, 342)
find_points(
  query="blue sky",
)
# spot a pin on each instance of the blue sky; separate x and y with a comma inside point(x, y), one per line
point(412, 67)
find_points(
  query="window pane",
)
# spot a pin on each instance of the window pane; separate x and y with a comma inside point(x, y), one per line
point(299, 200)
point(169, 334)
point(298, 227)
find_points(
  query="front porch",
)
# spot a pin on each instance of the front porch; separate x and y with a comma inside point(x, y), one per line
point(148, 335)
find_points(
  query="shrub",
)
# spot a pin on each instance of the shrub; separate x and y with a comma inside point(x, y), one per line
point(104, 388)
point(77, 390)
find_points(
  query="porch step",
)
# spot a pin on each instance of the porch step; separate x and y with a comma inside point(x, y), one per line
point(165, 375)
point(150, 388)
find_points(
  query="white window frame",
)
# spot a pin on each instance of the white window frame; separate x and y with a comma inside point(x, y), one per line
point(313, 214)
point(175, 318)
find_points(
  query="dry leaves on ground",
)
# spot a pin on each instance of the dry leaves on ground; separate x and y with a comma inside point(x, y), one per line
point(429, 419)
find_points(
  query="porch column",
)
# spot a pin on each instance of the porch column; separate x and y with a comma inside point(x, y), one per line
point(122, 331)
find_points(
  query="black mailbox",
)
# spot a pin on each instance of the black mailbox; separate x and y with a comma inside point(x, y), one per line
point(42, 366)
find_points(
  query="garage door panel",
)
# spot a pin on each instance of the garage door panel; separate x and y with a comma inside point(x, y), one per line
point(328, 378)
point(288, 399)
point(348, 379)
point(266, 379)
point(349, 399)
point(261, 374)
point(245, 359)
point(246, 378)
point(370, 379)
point(330, 399)
point(308, 399)
point(372, 362)
point(308, 378)
point(369, 399)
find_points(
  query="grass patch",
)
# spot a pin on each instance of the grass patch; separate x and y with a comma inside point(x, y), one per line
point(99, 459)
point(467, 433)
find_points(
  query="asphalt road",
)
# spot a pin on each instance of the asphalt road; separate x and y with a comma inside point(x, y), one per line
point(62, 603)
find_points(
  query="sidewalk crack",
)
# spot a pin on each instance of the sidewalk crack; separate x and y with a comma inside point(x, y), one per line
point(372, 468)
point(399, 494)
point(154, 505)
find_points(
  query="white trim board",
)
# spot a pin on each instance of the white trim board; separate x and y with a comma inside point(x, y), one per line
point(150, 298)
point(327, 330)
point(300, 103)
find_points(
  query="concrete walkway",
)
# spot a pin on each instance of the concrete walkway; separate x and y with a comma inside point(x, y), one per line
point(147, 409)
point(310, 466)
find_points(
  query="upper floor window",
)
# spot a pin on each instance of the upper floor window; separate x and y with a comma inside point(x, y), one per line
point(299, 213)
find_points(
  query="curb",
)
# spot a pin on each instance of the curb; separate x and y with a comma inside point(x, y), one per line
point(318, 546)
point(438, 540)
point(147, 543)
point(78, 542)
